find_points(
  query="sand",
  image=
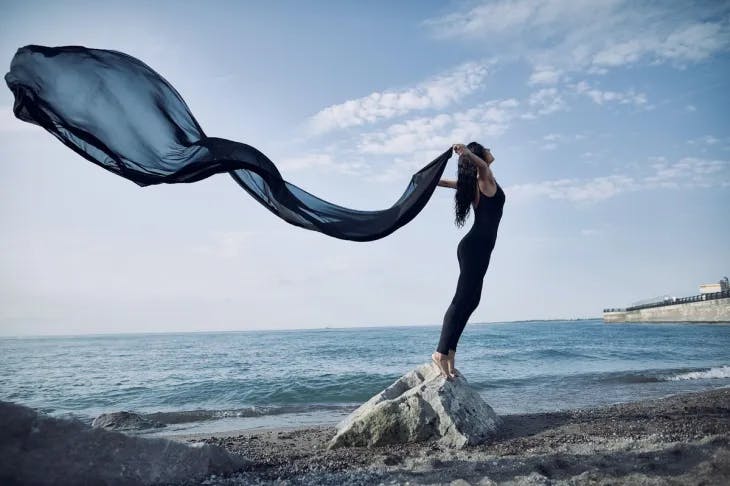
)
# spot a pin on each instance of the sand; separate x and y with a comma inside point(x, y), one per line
point(683, 440)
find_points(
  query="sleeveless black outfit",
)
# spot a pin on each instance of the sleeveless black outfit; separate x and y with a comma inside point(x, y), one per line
point(473, 252)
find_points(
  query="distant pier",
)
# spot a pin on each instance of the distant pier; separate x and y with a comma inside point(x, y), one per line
point(706, 307)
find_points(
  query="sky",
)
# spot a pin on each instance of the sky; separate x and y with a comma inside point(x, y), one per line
point(608, 120)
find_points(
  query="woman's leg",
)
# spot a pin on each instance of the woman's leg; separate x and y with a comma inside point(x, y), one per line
point(459, 309)
point(474, 298)
point(469, 309)
point(451, 359)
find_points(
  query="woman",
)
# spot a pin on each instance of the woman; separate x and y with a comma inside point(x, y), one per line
point(475, 185)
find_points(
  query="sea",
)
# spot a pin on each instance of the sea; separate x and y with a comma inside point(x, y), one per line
point(206, 382)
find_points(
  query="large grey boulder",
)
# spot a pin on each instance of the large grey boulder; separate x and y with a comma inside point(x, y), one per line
point(41, 450)
point(124, 421)
point(420, 406)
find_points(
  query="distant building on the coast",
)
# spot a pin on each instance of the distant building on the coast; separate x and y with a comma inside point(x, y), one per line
point(714, 287)
point(710, 288)
point(711, 305)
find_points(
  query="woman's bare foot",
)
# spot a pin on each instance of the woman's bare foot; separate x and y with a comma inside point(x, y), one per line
point(453, 372)
point(441, 361)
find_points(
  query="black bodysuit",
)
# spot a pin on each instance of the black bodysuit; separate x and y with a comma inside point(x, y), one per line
point(473, 252)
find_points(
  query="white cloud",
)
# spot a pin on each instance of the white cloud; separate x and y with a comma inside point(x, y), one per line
point(601, 97)
point(545, 75)
point(413, 142)
point(710, 143)
point(704, 140)
point(511, 17)
point(544, 102)
point(618, 54)
point(576, 190)
point(489, 119)
point(688, 172)
point(409, 144)
point(551, 141)
point(592, 35)
point(689, 43)
point(435, 93)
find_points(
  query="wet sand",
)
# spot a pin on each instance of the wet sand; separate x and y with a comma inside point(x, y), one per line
point(683, 439)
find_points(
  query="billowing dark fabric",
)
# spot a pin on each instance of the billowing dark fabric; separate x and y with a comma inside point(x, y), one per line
point(117, 112)
point(474, 252)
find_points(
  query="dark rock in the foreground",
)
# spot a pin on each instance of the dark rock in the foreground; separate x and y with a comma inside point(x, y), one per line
point(420, 406)
point(37, 449)
point(124, 421)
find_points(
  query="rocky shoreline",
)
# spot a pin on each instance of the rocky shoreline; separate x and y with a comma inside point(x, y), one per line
point(683, 439)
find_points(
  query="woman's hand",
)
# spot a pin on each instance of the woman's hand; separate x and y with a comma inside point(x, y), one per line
point(460, 148)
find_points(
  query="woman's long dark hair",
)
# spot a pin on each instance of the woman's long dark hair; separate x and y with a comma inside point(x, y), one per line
point(466, 184)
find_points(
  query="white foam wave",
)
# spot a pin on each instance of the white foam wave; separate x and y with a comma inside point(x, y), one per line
point(720, 372)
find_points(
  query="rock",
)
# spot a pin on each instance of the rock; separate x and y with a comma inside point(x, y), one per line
point(37, 449)
point(486, 481)
point(534, 479)
point(420, 406)
point(124, 421)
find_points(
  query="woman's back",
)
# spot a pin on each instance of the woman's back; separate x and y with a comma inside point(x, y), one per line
point(488, 213)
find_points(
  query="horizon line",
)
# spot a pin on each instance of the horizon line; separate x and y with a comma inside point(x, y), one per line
point(323, 328)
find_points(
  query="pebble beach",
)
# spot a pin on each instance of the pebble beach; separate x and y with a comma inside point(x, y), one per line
point(682, 439)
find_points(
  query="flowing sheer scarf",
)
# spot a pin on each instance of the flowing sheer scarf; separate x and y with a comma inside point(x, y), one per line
point(117, 112)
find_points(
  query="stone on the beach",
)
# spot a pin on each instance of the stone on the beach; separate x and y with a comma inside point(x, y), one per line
point(37, 449)
point(124, 421)
point(420, 406)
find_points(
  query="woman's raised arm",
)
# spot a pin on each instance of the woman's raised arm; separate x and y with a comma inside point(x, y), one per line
point(447, 183)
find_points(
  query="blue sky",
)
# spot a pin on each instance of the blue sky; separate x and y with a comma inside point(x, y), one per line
point(608, 121)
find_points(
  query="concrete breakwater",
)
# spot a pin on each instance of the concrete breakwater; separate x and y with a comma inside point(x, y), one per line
point(713, 307)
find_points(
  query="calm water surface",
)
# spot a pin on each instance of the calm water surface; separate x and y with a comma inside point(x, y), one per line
point(203, 382)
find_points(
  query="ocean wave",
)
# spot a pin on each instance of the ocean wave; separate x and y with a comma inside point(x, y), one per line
point(705, 374)
point(662, 375)
point(627, 377)
point(632, 377)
